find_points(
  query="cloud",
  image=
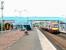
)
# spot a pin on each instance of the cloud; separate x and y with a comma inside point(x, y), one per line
point(35, 7)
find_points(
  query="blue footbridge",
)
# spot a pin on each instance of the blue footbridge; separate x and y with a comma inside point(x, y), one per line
point(28, 20)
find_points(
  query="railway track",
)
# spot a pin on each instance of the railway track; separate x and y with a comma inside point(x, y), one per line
point(63, 35)
point(59, 41)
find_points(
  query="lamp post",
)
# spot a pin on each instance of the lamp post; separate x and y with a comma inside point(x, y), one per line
point(2, 7)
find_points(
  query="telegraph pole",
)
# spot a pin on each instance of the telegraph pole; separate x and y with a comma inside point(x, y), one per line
point(2, 7)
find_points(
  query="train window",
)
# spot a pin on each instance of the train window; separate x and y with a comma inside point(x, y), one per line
point(56, 25)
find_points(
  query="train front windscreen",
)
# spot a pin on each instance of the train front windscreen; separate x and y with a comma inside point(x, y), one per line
point(55, 27)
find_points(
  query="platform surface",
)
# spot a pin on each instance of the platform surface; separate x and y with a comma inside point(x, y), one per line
point(28, 42)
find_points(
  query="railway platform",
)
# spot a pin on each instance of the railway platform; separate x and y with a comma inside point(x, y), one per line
point(8, 38)
point(34, 41)
point(45, 43)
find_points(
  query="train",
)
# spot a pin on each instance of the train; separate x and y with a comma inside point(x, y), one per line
point(54, 27)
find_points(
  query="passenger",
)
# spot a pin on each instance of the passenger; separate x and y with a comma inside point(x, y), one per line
point(26, 32)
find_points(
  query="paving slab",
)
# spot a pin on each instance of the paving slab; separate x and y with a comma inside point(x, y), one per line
point(28, 42)
point(8, 39)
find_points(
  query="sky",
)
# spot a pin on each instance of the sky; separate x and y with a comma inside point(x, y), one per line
point(43, 8)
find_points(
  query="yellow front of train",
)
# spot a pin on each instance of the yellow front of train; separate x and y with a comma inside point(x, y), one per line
point(55, 28)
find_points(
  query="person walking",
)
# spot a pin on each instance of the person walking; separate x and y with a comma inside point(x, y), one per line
point(26, 32)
